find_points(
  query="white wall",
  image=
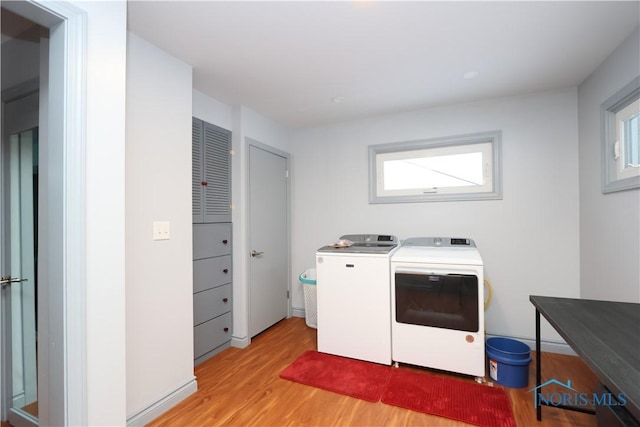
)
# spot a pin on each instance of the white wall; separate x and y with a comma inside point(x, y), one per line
point(609, 223)
point(528, 241)
point(105, 212)
point(211, 110)
point(260, 128)
point(158, 188)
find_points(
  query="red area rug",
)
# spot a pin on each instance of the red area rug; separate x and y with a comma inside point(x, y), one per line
point(450, 398)
point(355, 378)
point(418, 391)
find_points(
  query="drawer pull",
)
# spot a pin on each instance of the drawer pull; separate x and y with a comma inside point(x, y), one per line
point(225, 271)
point(226, 329)
point(225, 300)
point(225, 241)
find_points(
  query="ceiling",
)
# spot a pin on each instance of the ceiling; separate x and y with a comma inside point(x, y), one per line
point(290, 61)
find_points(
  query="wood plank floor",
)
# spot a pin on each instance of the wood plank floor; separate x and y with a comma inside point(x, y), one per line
point(241, 387)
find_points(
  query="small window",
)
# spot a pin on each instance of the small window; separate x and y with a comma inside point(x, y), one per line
point(455, 168)
point(621, 139)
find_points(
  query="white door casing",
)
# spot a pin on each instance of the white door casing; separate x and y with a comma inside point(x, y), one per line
point(61, 259)
point(268, 237)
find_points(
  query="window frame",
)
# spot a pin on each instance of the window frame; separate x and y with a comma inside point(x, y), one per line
point(614, 179)
point(457, 143)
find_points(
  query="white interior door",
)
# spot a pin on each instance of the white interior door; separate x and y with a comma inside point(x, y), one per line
point(268, 238)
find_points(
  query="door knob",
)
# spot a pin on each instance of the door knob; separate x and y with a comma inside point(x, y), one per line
point(6, 281)
point(255, 253)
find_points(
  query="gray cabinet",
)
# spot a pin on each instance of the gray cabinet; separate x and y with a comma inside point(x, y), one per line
point(212, 289)
point(212, 275)
point(211, 172)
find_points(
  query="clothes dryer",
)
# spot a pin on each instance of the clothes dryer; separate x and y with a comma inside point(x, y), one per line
point(437, 305)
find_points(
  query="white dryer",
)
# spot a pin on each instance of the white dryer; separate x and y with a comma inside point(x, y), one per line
point(437, 307)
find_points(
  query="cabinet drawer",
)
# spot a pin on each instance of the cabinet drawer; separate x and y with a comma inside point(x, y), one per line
point(211, 334)
point(211, 272)
point(211, 303)
point(211, 240)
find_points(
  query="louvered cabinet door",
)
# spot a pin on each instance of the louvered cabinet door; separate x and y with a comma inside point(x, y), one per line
point(216, 173)
point(197, 178)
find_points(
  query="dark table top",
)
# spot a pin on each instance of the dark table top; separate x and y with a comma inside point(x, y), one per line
point(606, 335)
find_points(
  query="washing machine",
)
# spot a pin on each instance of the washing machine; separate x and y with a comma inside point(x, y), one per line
point(437, 305)
point(354, 297)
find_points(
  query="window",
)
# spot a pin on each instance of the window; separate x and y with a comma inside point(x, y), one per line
point(456, 168)
point(621, 139)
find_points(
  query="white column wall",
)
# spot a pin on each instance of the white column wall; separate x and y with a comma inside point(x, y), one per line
point(105, 212)
point(159, 274)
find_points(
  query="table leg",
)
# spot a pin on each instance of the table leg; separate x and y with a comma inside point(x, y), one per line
point(538, 367)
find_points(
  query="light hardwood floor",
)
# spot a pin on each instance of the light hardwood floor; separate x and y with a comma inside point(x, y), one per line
point(241, 387)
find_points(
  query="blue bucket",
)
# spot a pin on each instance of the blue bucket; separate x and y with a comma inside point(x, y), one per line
point(508, 361)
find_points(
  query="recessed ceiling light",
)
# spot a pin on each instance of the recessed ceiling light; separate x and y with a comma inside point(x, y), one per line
point(470, 75)
point(337, 99)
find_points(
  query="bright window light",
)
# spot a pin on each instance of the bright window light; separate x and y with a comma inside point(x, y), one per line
point(455, 168)
point(627, 135)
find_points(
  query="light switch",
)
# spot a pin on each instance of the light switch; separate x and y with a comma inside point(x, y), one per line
point(161, 230)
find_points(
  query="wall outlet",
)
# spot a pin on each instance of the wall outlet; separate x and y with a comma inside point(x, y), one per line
point(161, 230)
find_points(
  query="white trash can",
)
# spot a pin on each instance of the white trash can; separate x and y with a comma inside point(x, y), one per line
point(308, 280)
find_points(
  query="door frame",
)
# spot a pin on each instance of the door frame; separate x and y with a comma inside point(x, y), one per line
point(62, 318)
point(249, 142)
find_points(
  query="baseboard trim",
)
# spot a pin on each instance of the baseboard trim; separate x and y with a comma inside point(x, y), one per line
point(240, 342)
point(163, 404)
point(547, 346)
point(297, 312)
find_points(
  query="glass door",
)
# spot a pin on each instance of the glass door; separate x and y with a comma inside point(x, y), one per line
point(18, 284)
